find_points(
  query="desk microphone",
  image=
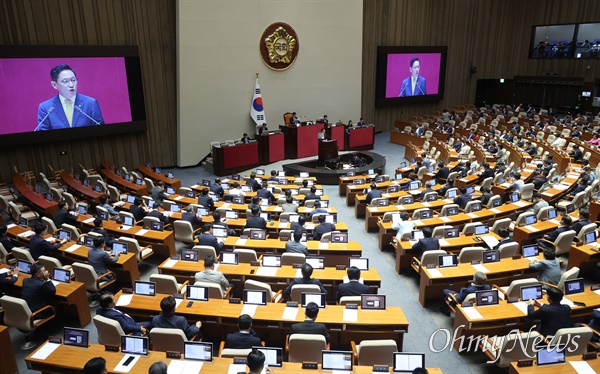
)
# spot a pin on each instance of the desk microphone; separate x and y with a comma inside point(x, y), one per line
point(43, 119)
point(420, 89)
point(78, 108)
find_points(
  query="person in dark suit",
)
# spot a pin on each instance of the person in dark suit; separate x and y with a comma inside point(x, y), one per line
point(96, 365)
point(316, 210)
point(299, 224)
point(426, 244)
point(428, 188)
point(449, 184)
point(256, 363)
point(565, 225)
point(294, 121)
point(373, 193)
point(137, 209)
point(479, 284)
point(158, 192)
point(457, 146)
point(487, 172)
point(415, 85)
point(584, 219)
point(168, 319)
point(107, 309)
point(353, 287)
point(38, 246)
point(553, 316)
point(322, 228)
point(191, 217)
point(103, 199)
point(442, 173)
point(263, 128)
point(156, 213)
point(505, 235)
point(256, 221)
point(216, 188)
point(273, 177)
point(361, 123)
point(464, 198)
point(581, 186)
point(306, 271)
point(245, 139)
point(99, 229)
point(38, 289)
point(245, 338)
point(100, 259)
point(576, 153)
point(294, 246)
point(312, 195)
point(309, 326)
point(322, 135)
point(265, 194)
point(63, 215)
point(540, 180)
point(217, 222)
point(7, 280)
point(252, 182)
point(205, 200)
point(4, 240)
point(207, 238)
point(486, 195)
point(68, 109)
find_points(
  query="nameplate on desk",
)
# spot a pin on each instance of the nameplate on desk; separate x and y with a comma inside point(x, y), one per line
point(516, 257)
point(297, 266)
point(310, 365)
point(55, 339)
point(111, 348)
point(173, 354)
point(254, 263)
point(291, 304)
point(381, 369)
point(595, 287)
point(431, 266)
point(589, 356)
point(127, 290)
point(340, 267)
point(524, 363)
point(234, 300)
point(351, 306)
point(239, 361)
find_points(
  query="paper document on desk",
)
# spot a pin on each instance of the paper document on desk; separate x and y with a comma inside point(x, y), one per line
point(490, 240)
point(323, 245)
point(532, 229)
point(568, 302)
point(560, 187)
point(249, 309)
point(374, 209)
point(448, 201)
point(89, 220)
point(426, 204)
point(443, 243)
point(473, 215)
point(481, 268)
point(11, 226)
point(350, 315)
point(290, 314)
point(124, 300)
point(120, 368)
point(45, 351)
point(472, 313)
point(582, 367)
point(418, 222)
point(142, 232)
point(119, 203)
point(522, 306)
point(241, 241)
point(195, 186)
point(520, 203)
point(73, 248)
point(267, 271)
point(225, 205)
point(236, 368)
point(50, 239)
point(386, 195)
point(170, 263)
point(554, 221)
point(435, 273)
point(26, 234)
point(445, 219)
point(282, 225)
point(496, 211)
point(184, 367)
point(597, 292)
point(178, 198)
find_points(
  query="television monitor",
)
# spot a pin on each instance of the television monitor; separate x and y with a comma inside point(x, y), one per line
point(88, 241)
point(407, 200)
point(445, 261)
point(383, 202)
point(237, 200)
point(86, 182)
point(552, 214)
point(304, 174)
point(331, 218)
point(470, 189)
point(403, 164)
point(228, 258)
point(23, 222)
point(273, 355)
point(417, 235)
point(157, 170)
point(496, 203)
point(139, 181)
point(431, 197)
point(530, 220)
point(120, 248)
point(372, 302)
point(554, 41)
point(235, 177)
point(260, 171)
point(379, 179)
point(137, 345)
point(370, 171)
point(574, 286)
point(589, 237)
point(317, 298)
point(341, 237)
point(530, 250)
point(128, 221)
point(171, 191)
point(413, 185)
point(570, 208)
point(514, 197)
point(81, 209)
point(190, 194)
point(451, 193)
point(24, 266)
point(481, 229)
point(531, 292)
point(258, 234)
point(255, 297)
point(476, 207)
point(76, 337)
point(170, 175)
point(130, 199)
point(271, 260)
point(316, 262)
point(399, 176)
point(62, 275)
point(359, 181)
point(198, 293)
point(63, 234)
point(399, 66)
point(205, 183)
point(48, 196)
point(127, 177)
point(551, 355)
point(451, 211)
point(492, 255)
point(157, 226)
point(451, 233)
point(38, 188)
point(104, 216)
point(219, 231)
point(393, 189)
point(324, 204)
point(189, 255)
point(425, 214)
point(98, 188)
point(360, 262)
point(198, 351)
point(405, 362)
point(341, 361)
point(486, 298)
point(144, 288)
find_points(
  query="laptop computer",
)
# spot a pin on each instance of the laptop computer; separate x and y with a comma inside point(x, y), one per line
point(104, 216)
point(399, 176)
point(481, 230)
point(76, 337)
point(470, 189)
point(413, 186)
point(130, 199)
point(219, 232)
point(235, 177)
point(324, 203)
point(317, 298)
point(137, 345)
point(431, 197)
point(271, 260)
point(237, 200)
point(337, 360)
point(273, 355)
point(144, 288)
point(451, 233)
point(62, 235)
point(24, 266)
point(170, 175)
point(451, 193)
point(175, 208)
point(81, 209)
point(574, 286)
point(530, 250)
point(486, 298)
point(492, 255)
point(514, 197)
point(231, 214)
point(405, 362)
point(445, 261)
point(120, 248)
point(198, 293)
point(551, 355)
point(362, 263)
point(293, 217)
point(552, 214)
point(331, 218)
point(265, 216)
point(48, 196)
point(372, 302)
point(392, 189)
point(589, 237)
point(189, 255)
point(530, 220)
point(229, 258)
point(198, 351)
point(128, 221)
point(190, 194)
point(202, 211)
point(258, 234)
point(255, 297)
point(98, 188)
point(62, 275)
point(316, 262)
point(359, 181)
point(531, 292)
point(157, 226)
point(417, 234)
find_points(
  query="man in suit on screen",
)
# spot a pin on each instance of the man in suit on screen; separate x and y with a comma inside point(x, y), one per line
point(415, 84)
point(68, 109)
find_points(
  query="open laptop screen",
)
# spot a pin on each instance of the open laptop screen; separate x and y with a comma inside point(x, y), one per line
point(120, 248)
point(361, 263)
point(484, 298)
point(189, 255)
point(231, 214)
point(157, 226)
point(531, 293)
point(551, 355)
point(76, 337)
point(273, 355)
point(445, 261)
point(271, 260)
point(134, 344)
point(574, 286)
point(81, 209)
point(451, 233)
point(493, 255)
point(316, 262)
point(24, 266)
point(590, 237)
point(317, 298)
point(258, 234)
point(128, 221)
point(62, 275)
point(219, 232)
point(229, 258)
point(337, 360)
point(196, 293)
point(145, 288)
point(407, 362)
point(530, 250)
point(199, 351)
point(255, 297)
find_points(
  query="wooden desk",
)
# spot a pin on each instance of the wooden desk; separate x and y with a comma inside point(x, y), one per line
point(87, 193)
point(371, 324)
point(530, 233)
point(503, 318)
point(125, 184)
point(70, 360)
point(37, 202)
point(360, 138)
point(238, 274)
point(352, 190)
point(234, 158)
point(583, 257)
point(501, 273)
point(173, 182)
point(553, 369)
point(8, 362)
point(276, 226)
point(334, 253)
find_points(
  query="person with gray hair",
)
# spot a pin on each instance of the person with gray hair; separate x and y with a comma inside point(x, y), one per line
point(158, 367)
point(478, 284)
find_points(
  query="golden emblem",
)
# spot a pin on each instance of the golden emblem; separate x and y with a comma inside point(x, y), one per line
point(280, 45)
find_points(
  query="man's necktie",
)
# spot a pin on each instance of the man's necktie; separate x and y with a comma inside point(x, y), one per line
point(69, 111)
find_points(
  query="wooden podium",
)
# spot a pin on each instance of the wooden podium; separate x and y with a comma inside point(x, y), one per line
point(228, 159)
point(301, 141)
point(271, 147)
point(328, 150)
point(360, 138)
point(337, 131)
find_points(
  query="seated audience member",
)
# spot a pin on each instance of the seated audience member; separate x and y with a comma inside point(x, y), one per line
point(256, 363)
point(265, 194)
point(137, 209)
point(217, 222)
point(426, 244)
point(309, 326)
point(104, 204)
point(157, 214)
point(486, 195)
point(294, 246)
point(96, 365)
point(37, 290)
point(7, 280)
point(299, 224)
point(306, 271)
point(582, 184)
point(63, 215)
point(428, 188)
point(236, 191)
point(108, 309)
point(540, 180)
point(168, 319)
point(373, 193)
point(565, 225)
point(420, 371)
point(576, 154)
point(38, 246)
point(100, 259)
point(256, 221)
point(449, 184)
point(403, 226)
point(245, 338)
point(252, 182)
point(289, 206)
point(4, 240)
point(99, 229)
point(255, 203)
point(216, 188)
point(584, 220)
point(312, 195)
point(463, 199)
point(505, 235)
point(553, 316)
point(205, 200)
point(207, 238)
point(487, 172)
point(158, 367)
point(194, 218)
point(479, 284)
point(548, 268)
point(322, 228)
point(158, 192)
point(209, 274)
point(273, 177)
point(442, 173)
point(517, 186)
point(538, 203)
point(353, 287)
point(317, 210)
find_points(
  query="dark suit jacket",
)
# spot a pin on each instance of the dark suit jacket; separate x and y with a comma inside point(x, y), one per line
point(173, 321)
point(373, 195)
point(6, 283)
point(553, 316)
point(107, 238)
point(38, 246)
point(442, 173)
point(7, 244)
point(464, 291)
point(578, 189)
point(311, 196)
point(293, 246)
point(352, 288)
point(191, 218)
point(579, 224)
point(58, 119)
point(310, 327)
point(158, 195)
point(503, 241)
point(462, 200)
point(36, 292)
point(217, 189)
point(206, 201)
point(487, 173)
point(159, 215)
point(538, 183)
point(255, 222)
point(138, 212)
point(242, 340)
point(420, 87)
point(263, 193)
point(321, 229)
point(425, 244)
point(127, 323)
point(99, 259)
point(208, 239)
point(253, 183)
point(296, 225)
point(554, 234)
point(288, 291)
point(63, 216)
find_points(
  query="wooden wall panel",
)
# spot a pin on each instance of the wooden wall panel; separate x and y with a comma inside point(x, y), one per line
point(493, 35)
point(149, 24)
